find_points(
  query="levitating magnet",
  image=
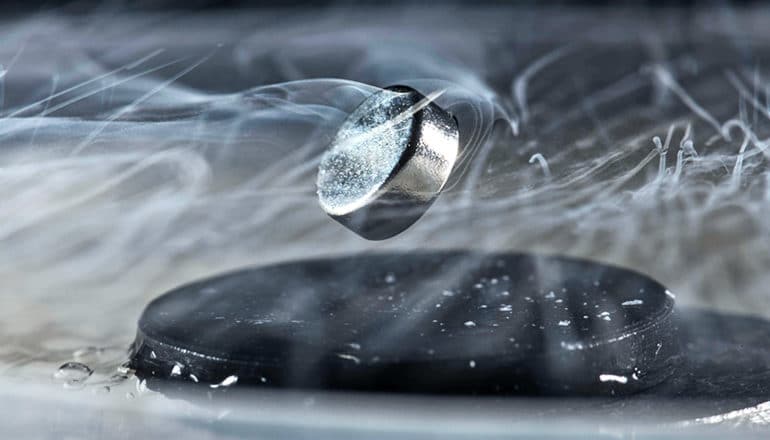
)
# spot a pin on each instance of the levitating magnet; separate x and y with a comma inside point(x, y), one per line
point(387, 163)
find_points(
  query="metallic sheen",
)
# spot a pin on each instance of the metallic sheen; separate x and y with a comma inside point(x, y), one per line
point(387, 163)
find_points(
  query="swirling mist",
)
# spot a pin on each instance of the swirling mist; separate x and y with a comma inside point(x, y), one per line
point(138, 152)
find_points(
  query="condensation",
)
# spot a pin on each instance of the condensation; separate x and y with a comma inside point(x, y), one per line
point(140, 152)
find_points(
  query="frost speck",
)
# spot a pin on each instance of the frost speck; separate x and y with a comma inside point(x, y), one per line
point(228, 381)
point(613, 378)
point(349, 357)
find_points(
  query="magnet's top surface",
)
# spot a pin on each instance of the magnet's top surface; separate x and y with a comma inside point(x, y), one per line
point(388, 162)
point(435, 312)
point(366, 150)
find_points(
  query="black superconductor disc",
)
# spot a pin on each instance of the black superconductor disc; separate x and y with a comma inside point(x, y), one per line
point(444, 322)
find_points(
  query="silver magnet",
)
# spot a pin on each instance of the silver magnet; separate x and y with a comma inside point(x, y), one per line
point(388, 162)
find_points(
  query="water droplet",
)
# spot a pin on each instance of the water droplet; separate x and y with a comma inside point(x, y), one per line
point(633, 302)
point(506, 308)
point(472, 364)
point(73, 373)
point(448, 293)
point(564, 323)
point(469, 324)
point(390, 278)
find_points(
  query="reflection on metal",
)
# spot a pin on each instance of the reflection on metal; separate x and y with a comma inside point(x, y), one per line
point(388, 162)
